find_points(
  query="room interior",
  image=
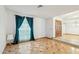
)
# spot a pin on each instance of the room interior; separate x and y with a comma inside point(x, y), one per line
point(39, 29)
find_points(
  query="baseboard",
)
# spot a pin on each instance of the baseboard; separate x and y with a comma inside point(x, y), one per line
point(43, 37)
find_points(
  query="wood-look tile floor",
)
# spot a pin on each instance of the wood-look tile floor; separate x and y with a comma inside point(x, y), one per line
point(41, 46)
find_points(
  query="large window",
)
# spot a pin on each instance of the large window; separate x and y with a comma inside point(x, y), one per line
point(24, 31)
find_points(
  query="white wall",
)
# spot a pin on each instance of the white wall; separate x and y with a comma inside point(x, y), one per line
point(49, 28)
point(3, 20)
point(39, 24)
point(10, 22)
point(39, 27)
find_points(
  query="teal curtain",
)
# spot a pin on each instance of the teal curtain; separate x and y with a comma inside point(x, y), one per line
point(19, 20)
point(30, 21)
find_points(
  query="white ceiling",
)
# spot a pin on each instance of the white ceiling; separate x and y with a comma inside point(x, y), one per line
point(46, 11)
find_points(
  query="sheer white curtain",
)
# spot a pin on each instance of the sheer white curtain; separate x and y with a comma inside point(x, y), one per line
point(24, 31)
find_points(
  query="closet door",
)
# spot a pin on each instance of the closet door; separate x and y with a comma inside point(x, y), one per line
point(58, 28)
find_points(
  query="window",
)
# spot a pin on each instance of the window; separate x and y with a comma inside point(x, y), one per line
point(24, 31)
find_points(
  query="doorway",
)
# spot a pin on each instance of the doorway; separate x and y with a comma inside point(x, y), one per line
point(58, 28)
